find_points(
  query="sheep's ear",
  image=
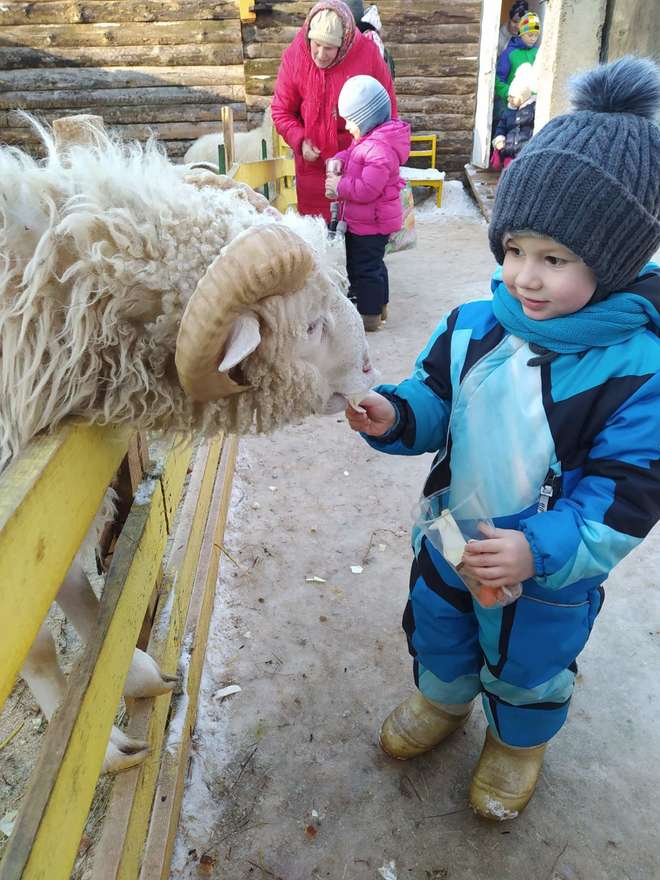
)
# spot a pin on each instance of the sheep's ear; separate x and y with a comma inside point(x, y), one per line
point(244, 337)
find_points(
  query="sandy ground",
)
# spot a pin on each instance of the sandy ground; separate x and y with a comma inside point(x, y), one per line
point(286, 779)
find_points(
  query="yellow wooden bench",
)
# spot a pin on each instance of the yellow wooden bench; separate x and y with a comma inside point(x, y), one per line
point(425, 176)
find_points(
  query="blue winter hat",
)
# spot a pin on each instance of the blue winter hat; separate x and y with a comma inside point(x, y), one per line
point(365, 102)
point(590, 179)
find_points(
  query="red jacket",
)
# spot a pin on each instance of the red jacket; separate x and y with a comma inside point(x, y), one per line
point(305, 105)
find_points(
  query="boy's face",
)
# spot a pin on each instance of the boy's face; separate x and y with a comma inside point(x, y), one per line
point(545, 277)
point(530, 38)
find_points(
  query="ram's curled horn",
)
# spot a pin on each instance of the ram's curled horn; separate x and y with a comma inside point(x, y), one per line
point(264, 261)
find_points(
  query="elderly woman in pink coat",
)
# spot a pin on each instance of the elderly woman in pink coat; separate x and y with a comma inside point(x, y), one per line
point(327, 50)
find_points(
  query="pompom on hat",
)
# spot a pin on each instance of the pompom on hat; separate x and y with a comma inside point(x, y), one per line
point(326, 27)
point(590, 179)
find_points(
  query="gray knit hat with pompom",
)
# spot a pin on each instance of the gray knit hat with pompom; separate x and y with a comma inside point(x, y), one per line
point(591, 179)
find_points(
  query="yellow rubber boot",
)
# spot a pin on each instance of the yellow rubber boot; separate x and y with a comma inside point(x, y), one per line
point(416, 726)
point(505, 779)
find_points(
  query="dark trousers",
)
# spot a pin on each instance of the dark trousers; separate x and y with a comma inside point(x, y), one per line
point(367, 273)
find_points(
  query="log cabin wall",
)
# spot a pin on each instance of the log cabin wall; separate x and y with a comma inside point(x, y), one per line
point(161, 66)
point(168, 66)
point(436, 51)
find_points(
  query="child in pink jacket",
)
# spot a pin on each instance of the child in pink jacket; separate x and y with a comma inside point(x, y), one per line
point(369, 189)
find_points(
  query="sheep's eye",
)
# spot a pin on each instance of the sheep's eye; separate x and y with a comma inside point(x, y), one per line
point(315, 326)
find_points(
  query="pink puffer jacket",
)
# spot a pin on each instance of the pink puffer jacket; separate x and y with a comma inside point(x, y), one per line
point(370, 184)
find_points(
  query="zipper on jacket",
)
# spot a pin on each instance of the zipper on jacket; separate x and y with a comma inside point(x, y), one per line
point(549, 492)
point(458, 394)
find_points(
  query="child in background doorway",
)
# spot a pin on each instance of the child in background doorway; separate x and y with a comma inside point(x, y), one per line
point(521, 50)
point(543, 406)
point(369, 188)
point(516, 124)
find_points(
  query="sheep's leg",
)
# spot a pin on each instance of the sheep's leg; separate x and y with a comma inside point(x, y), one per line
point(81, 606)
point(78, 601)
point(42, 674)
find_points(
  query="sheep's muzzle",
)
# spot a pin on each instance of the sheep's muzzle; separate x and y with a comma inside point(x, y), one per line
point(264, 261)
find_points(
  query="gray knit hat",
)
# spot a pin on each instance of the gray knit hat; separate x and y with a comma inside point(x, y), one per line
point(365, 102)
point(591, 179)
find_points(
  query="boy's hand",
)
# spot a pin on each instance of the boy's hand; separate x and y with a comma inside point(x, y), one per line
point(378, 417)
point(501, 559)
point(331, 184)
point(310, 153)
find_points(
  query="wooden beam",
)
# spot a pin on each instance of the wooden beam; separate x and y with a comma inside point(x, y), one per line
point(83, 80)
point(99, 11)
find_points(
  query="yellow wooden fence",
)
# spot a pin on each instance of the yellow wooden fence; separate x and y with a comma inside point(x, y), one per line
point(48, 498)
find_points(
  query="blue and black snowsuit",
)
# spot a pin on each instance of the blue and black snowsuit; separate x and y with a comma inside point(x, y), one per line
point(505, 422)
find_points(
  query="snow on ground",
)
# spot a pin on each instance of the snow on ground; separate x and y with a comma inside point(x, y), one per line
point(456, 202)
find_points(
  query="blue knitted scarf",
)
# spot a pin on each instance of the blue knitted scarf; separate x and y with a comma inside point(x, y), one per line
point(598, 325)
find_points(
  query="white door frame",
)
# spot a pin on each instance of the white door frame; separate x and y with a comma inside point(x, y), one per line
point(489, 36)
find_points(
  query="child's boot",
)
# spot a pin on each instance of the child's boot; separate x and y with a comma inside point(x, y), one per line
point(383, 313)
point(417, 725)
point(505, 778)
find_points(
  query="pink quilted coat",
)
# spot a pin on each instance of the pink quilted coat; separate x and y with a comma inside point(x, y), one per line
point(370, 185)
point(305, 102)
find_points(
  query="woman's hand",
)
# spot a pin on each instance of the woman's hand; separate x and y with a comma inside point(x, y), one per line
point(378, 417)
point(503, 558)
point(310, 153)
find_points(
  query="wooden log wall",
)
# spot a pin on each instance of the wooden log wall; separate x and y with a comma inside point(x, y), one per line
point(168, 66)
point(435, 44)
point(152, 66)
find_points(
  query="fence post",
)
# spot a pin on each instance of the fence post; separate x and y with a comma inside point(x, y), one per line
point(227, 116)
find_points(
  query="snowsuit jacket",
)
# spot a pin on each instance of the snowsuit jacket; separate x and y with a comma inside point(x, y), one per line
point(503, 423)
point(305, 106)
point(370, 185)
point(517, 126)
point(515, 54)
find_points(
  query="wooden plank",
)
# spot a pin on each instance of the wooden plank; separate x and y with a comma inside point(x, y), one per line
point(107, 98)
point(483, 185)
point(129, 115)
point(94, 11)
point(457, 104)
point(123, 56)
point(76, 78)
point(43, 846)
point(161, 33)
point(32, 498)
point(119, 852)
point(174, 762)
point(247, 12)
point(256, 174)
point(163, 131)
point(434, 85)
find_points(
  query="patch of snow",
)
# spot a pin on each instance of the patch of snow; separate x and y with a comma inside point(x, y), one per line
point(497, 809)
point(455, 203)
point(388, 872)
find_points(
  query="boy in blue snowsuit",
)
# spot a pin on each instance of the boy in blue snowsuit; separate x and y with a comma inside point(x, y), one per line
point(544, 404)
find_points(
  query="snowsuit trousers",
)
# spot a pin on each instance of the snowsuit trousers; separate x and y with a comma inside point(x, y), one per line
point(521, 657)
point(367, 273)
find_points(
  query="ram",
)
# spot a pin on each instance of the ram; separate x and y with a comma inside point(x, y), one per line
point(137, 292)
